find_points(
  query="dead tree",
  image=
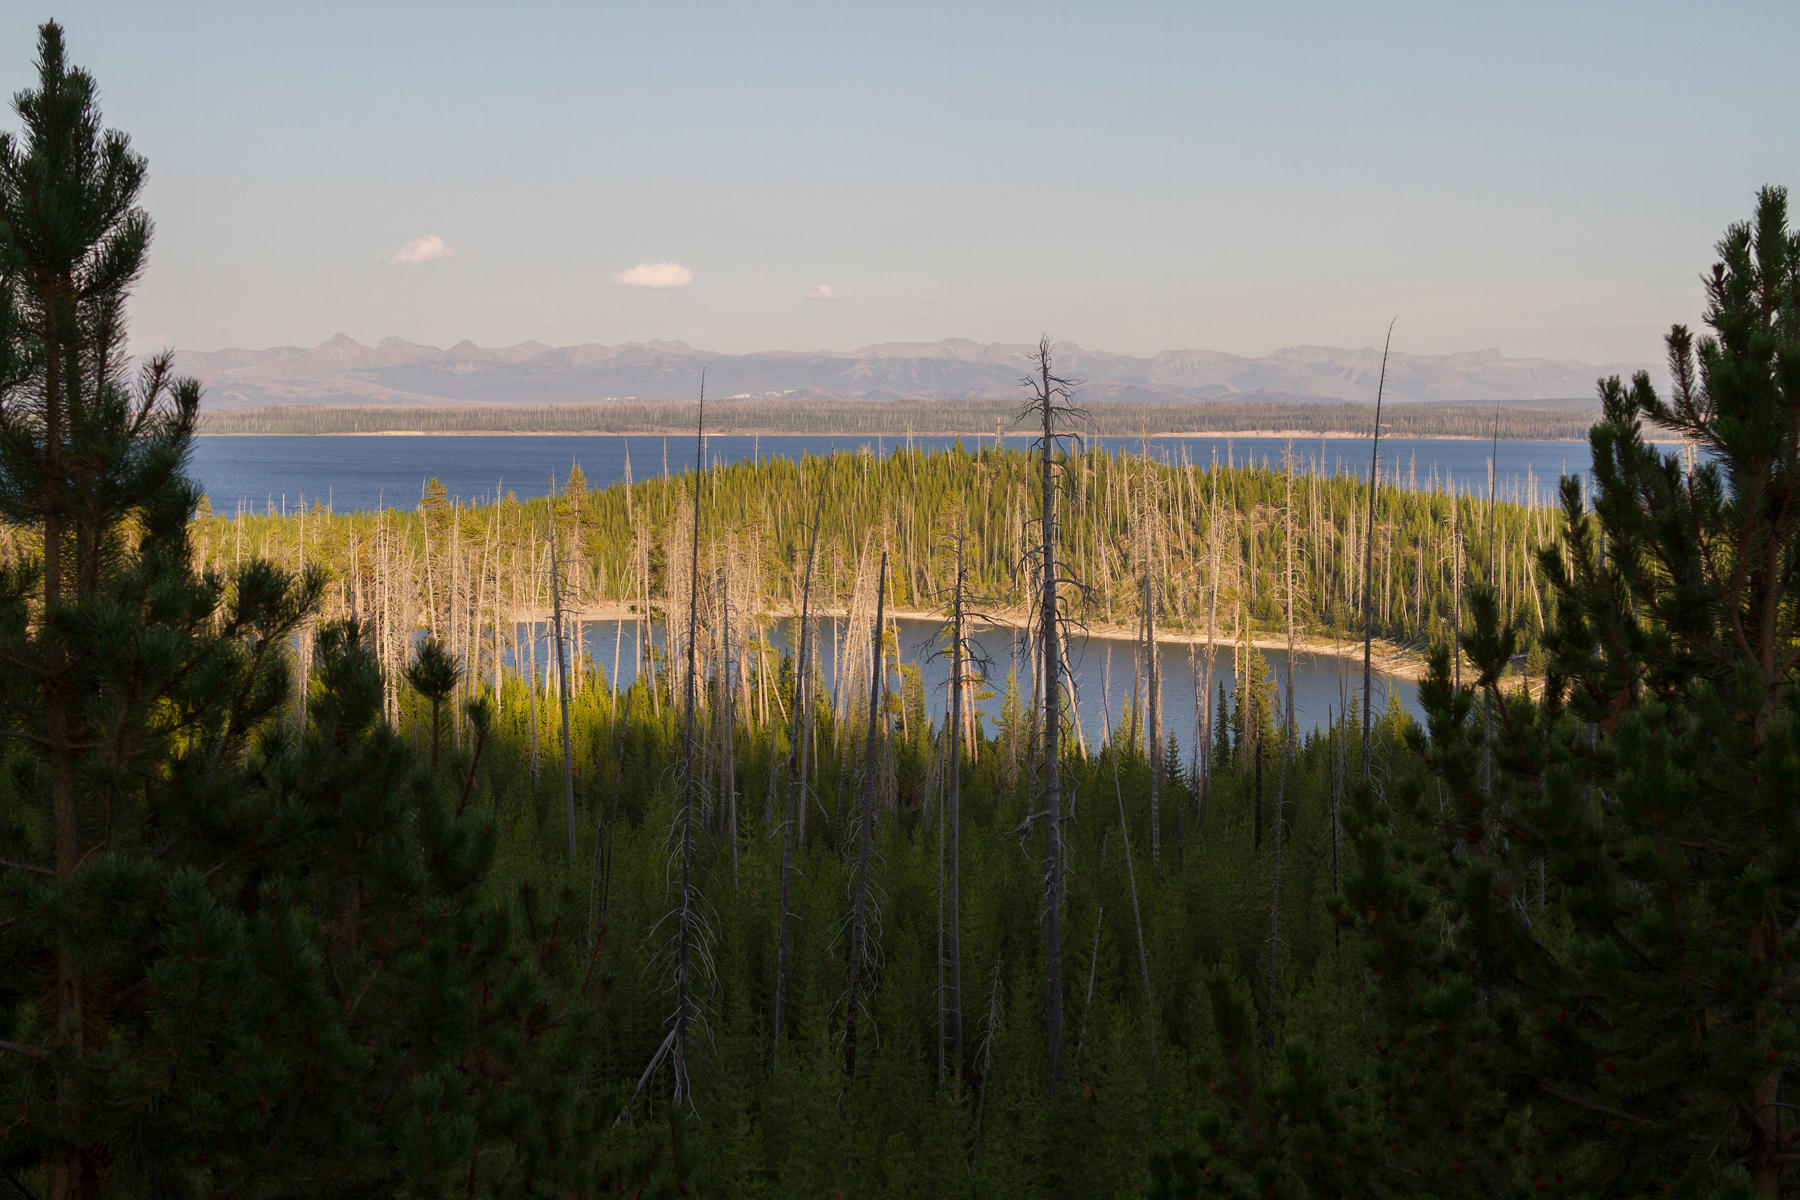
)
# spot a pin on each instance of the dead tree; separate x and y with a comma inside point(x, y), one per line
point(727, 763)
point(688, 917)
point(1051, 408)
point(1369, 547)
point(1212, 613)
point(1287, 743)
point(798, 723)
point(562, 670)
point(968, 662)
point(860, 902)
point(1137, 915)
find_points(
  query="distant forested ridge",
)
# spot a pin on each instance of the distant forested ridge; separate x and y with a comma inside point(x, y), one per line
point(898, 417)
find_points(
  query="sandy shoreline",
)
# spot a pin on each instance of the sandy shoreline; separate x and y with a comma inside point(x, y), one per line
point(1386, 657)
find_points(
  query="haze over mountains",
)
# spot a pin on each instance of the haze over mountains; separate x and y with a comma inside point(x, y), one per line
point(342, 371)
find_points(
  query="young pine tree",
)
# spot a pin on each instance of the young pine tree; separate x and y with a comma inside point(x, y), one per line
point(236, 958)
point(1582, 963)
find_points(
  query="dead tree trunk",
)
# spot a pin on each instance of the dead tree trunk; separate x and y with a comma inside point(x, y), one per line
point(1369, 548)
point(688, 915)
point(1050, 402)
point(865, 837)
point(796, 781)
point(1137, 915)
point(727, 763)
point(1287, 749)
point(562, 672)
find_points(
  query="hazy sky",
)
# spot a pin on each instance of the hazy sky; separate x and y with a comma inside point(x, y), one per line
point(1545, 179)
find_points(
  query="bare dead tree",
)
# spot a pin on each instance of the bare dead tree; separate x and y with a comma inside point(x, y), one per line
point(1487, 701)
point(859, 966)
point(1369, 547)
point(562, 668)
point(1287, 742)
point(688, 915)
point(1137, 915)
point(1051, 407)
point(968, 663)
point(727, 763)
point(798, 722)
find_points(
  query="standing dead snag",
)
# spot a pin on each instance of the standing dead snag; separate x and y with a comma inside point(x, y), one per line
point(1050, 406)
point(860, 956)
point(798, 723)
point(1369, 547)
point(562, 669)
point(1287, 739)
point(727, 756)
point(687, 913)
point(968, 662)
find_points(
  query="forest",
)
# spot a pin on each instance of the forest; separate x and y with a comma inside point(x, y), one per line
point(331, 866)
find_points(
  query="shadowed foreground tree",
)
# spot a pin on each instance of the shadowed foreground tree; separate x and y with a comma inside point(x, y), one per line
point(1622, 1023)
point(236, 957)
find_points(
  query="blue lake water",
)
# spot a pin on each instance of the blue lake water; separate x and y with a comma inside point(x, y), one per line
point(351, 473)
point(1104, 669)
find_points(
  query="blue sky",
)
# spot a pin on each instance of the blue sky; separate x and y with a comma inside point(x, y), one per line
point(1544, 179)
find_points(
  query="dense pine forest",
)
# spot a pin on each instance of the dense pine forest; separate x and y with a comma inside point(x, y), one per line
point(316, 880)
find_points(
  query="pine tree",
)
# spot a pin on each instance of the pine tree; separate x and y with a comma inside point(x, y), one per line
point(237, 955)
point(1582, 961)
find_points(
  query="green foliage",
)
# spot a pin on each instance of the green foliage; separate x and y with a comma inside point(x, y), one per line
point(1579, 922)
point(250, 942)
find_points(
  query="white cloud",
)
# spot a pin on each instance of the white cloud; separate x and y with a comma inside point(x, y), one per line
point(823, 292)
point(421, 250)
point(655, 275)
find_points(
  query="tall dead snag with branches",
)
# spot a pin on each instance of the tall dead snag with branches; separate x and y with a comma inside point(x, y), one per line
point(562, 666)
point(798, 722)
point(861, 904)
point(1051, 408)
point(688, 920)
point(968, 662)
point(1369, 547)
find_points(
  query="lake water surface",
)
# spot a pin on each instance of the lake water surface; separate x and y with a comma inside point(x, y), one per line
point(349, 473)
point(1103, 669)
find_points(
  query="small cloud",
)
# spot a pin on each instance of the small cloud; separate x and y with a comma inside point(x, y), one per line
point(924, 300)
point(421, 250)
point(655, 275)
point(823, 292)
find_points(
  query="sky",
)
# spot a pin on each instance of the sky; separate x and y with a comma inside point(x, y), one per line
point(1547, 180)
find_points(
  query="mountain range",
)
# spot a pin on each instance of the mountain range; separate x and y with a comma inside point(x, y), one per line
point(342, 371)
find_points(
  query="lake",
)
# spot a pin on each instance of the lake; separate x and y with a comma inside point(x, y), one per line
point(350, 473)
point(1102, 668)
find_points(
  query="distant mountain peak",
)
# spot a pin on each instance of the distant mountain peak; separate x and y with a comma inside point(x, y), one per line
point(341, 370)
